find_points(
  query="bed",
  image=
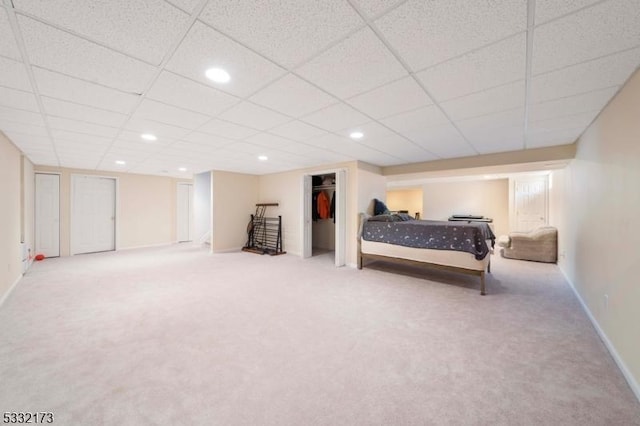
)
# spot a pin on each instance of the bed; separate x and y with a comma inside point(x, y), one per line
point(451, 246)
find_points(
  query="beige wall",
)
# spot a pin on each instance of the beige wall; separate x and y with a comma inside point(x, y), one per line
point(406, 199)
point(371, 184)
point(28, 206)
point(234, 198)
point(557, 197)
point(10, 211)
point(146, 213)
point(489, 198)
point(601, 238)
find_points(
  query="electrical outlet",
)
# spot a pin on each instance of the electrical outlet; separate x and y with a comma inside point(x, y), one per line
point(606, 301)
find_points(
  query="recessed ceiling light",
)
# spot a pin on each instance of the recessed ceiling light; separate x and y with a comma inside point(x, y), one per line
point(263, 158)
point(182, 169)
point(218, 75)
point(149, 137)
point(120, 162)
point(356, 135)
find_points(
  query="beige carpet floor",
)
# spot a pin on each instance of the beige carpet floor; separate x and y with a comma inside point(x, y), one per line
point(172, 336)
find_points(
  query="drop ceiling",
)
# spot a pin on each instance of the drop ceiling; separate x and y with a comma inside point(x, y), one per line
point(80, 80)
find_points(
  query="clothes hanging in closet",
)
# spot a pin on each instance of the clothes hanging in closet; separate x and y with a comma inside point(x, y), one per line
point(324, 206)
point(314, 206)
point(333, 206)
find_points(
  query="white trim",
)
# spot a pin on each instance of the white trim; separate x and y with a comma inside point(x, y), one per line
point(633, 384)
point(10, 290)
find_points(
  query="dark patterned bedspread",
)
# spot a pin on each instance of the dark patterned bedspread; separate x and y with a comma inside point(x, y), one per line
point(468, 237)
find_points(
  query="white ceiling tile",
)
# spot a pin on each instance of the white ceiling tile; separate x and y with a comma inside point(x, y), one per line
point(498, 140)
point(574, 121)
point(58, 108)
point(14, 75)
point(186, 5)
point(553, 138)
point(206, 139)
point(288, 31)
point(489, 101)
point(585, 102)
point(336, 117)
point(58, 51)
point(297, 130)
point(495, 65)
point(499, 132)
point(96, 145)
point(373, 8)
point(227, 129)
point(71, 89)
point(21, 116)
point(382, 139)
point(29, 142)
point(510, 118)
point(391, 99)
point(132, 136)
point(161, 130)
point(184, 93)
point(603, 29)
point(204, 48)
point(427, 33)
point(196, 149)
point(550, 9)
point(25, 129)
point(120, 24)
point(18, 99)
point(271, 141)
point(8, 46)
point(156, 111)
point(593, 75)
point(415, 123)
point(293, 96)
point(81, 127)
point(61, 136)
point(445, 142)
point(361, 54)
point(250, 115)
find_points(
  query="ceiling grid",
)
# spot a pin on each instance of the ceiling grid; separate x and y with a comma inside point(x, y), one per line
point(422, 81)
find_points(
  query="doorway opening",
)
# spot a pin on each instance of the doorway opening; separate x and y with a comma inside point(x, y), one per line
point(324, 211)
point(185, 214)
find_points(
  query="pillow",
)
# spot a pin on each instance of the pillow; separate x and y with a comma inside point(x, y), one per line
point(379, 207)
point(383, 218)
point(404, 217)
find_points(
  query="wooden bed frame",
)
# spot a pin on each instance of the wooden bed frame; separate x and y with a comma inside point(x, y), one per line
point(362, 257)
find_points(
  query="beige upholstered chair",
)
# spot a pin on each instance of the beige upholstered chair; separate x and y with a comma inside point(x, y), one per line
point(540, 245)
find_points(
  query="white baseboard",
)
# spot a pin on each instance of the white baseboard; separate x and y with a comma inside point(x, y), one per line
point(633, 383)
point(5, 296)
point(146, 246)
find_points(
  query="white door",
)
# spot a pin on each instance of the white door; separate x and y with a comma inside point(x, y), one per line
point(531, 202)
point(185, 215)
point(47, 212)
point(93, 214)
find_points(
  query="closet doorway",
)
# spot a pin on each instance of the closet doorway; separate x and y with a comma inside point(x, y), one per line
point(324, 211)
